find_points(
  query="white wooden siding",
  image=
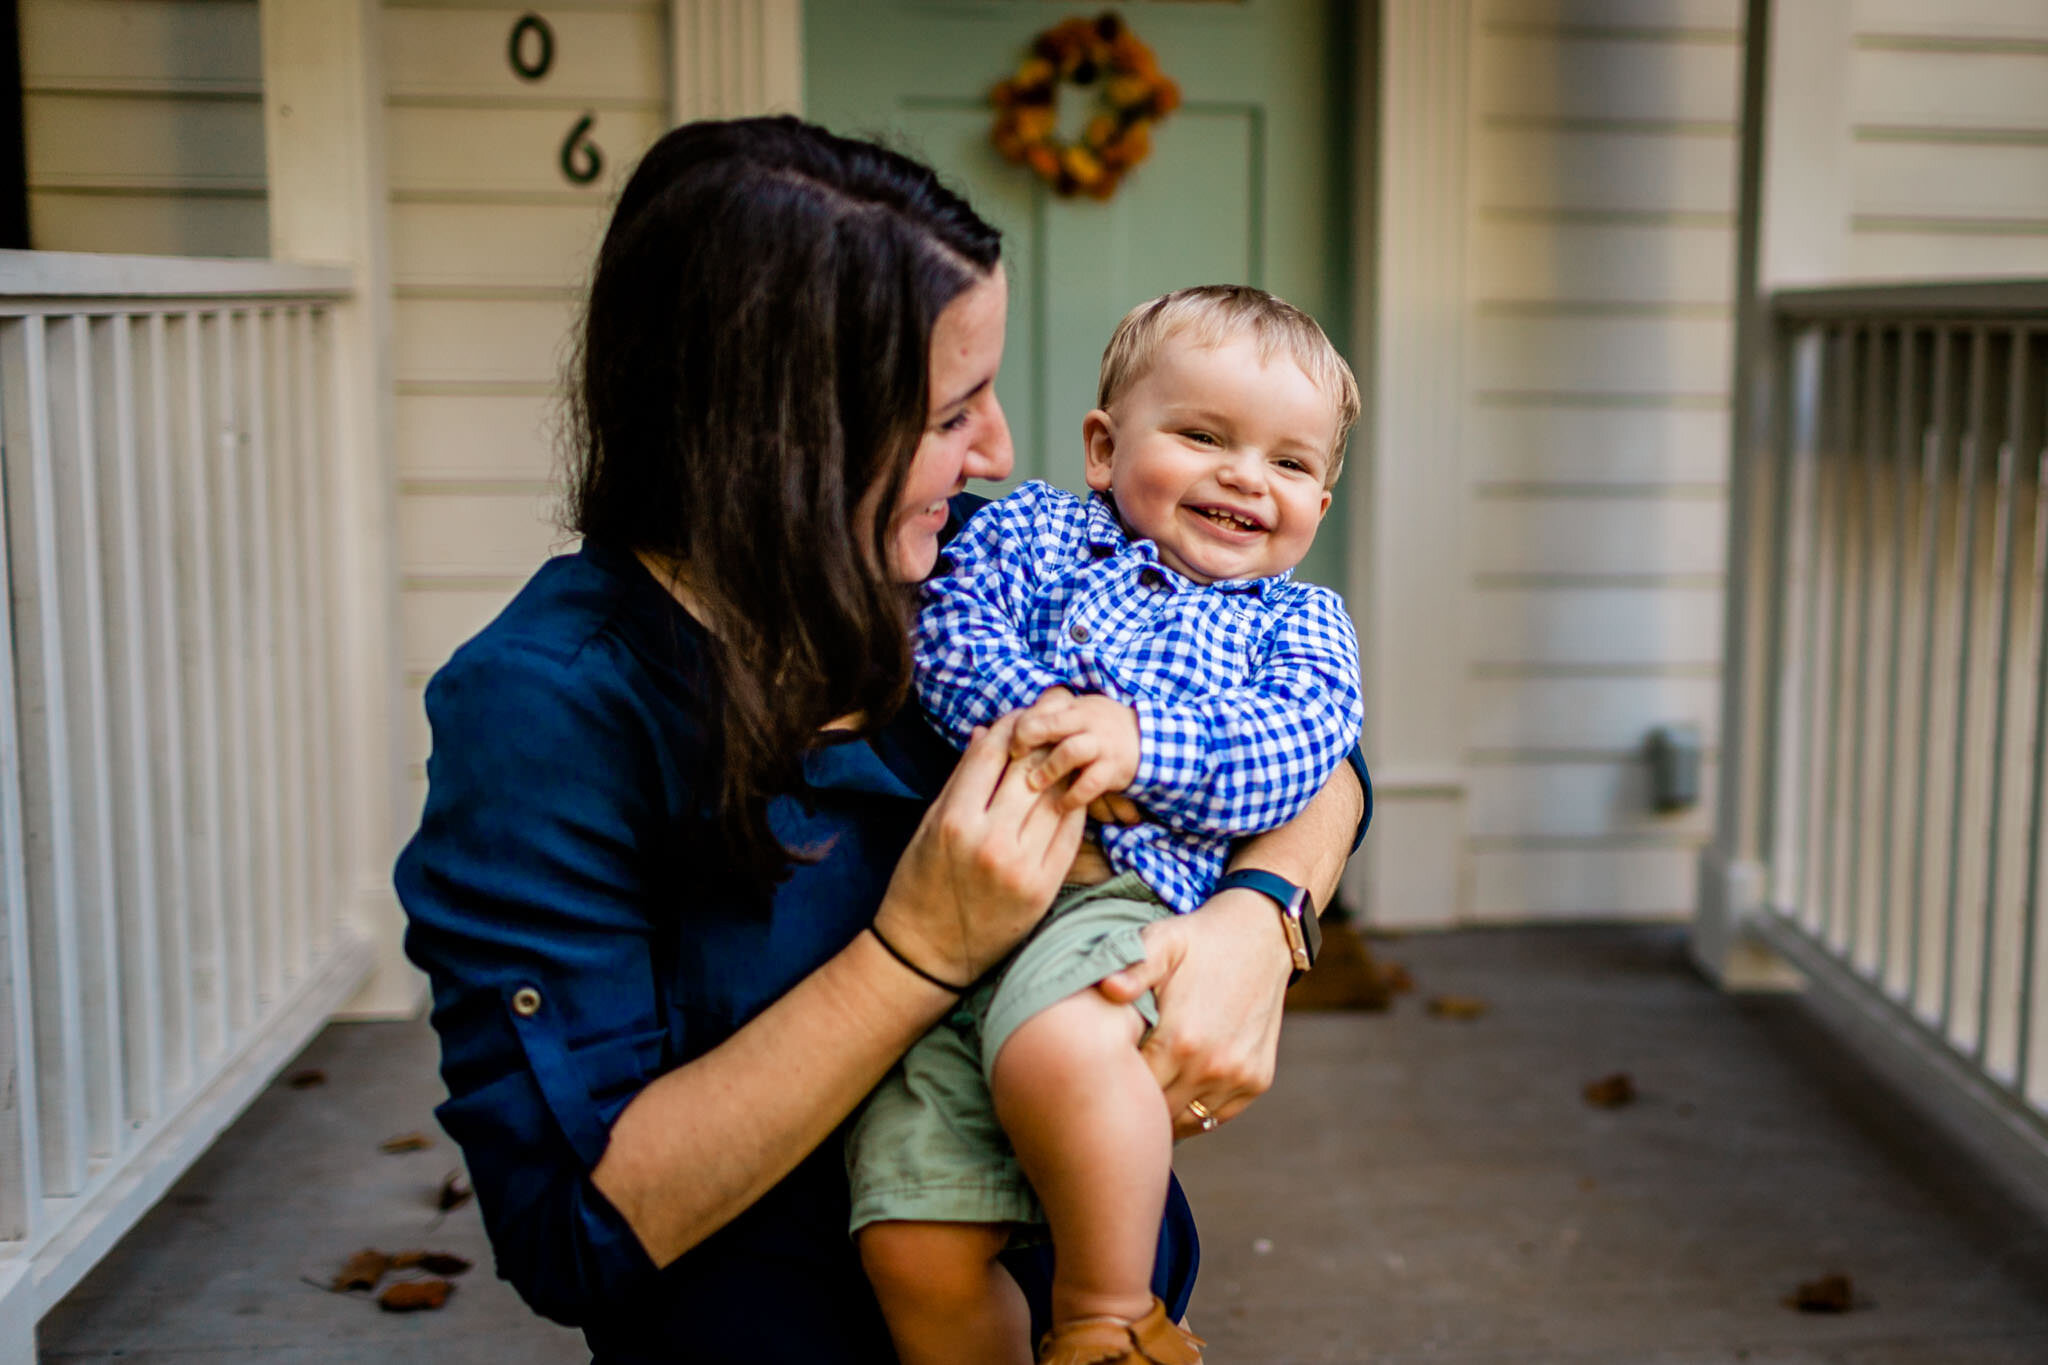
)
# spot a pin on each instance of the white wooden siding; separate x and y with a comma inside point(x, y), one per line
point(1603, 139)
point(1949, 168)
point(490, 247)
point(144, 126)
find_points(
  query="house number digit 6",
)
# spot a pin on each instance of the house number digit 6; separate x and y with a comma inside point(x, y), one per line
point(582, 162)
point(532, 49)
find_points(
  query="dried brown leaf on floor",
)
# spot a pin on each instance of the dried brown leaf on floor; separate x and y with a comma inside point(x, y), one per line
point(1832, 1293)
point(307, 1079)
point(414, 1296)
point(406, 1142)
point(1457, 1006)
point(433, 1262)
point(454, 1192)
point(363, 1271)
point(1611, 1092)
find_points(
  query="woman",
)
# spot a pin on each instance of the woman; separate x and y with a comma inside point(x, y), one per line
point(671, 789)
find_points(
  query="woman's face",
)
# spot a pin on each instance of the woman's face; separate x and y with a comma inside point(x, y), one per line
point(965, 435)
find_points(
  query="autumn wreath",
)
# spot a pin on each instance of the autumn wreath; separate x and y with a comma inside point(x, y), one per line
point(1134, 95)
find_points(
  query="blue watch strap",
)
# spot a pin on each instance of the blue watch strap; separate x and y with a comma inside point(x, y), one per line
point(1265, 883)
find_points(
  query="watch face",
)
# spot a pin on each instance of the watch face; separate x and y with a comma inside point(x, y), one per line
point(1311, 928)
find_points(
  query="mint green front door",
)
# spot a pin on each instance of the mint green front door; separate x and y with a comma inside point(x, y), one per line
point(1245, 184)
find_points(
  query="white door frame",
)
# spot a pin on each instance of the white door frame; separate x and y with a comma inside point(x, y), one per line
point(1406, 567)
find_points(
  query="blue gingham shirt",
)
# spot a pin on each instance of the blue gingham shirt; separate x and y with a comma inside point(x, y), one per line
point(1246, 690)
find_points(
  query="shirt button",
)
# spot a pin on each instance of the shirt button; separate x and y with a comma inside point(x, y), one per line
point(1152, 578)
point(1078, 634)
point(526, 1002)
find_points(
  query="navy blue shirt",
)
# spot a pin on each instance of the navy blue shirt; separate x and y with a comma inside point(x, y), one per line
point(568, 897)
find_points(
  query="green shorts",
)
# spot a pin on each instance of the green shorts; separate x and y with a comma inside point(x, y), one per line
point(926, 1145)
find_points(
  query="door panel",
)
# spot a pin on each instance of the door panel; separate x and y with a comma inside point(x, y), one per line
point(1244, 184)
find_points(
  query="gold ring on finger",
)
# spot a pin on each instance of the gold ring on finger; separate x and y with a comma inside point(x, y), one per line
point(1207, 1120)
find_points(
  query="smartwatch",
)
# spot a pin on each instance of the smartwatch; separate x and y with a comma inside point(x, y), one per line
point(1297, 913)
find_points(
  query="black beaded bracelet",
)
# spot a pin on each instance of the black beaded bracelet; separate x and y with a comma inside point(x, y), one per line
point(897, 953)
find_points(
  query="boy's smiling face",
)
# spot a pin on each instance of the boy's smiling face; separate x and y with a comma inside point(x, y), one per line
point(1221, 459)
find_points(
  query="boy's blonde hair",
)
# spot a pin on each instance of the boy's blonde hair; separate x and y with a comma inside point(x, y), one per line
point(1212, 314)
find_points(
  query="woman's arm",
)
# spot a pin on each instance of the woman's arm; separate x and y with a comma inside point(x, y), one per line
point(699, 1145)
point(1221, 972)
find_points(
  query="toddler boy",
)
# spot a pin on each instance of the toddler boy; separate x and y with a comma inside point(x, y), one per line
point(1157, 633)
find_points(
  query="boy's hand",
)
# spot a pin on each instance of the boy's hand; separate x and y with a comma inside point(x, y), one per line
point(1116, 809)
point(1092, 739)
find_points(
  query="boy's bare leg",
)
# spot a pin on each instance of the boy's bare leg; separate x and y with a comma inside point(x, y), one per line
point(943, 1293)
point(1092, 1132)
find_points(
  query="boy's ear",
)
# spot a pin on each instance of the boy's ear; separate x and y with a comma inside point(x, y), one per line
point(1098, 445)
point(1324, 509)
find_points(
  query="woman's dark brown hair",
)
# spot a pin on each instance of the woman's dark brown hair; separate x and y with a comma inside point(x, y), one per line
point(752, 386)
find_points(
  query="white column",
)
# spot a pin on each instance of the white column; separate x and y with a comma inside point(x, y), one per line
point(1407, 572)
point(729, 58)
point(324, 126)
point(1793, 208)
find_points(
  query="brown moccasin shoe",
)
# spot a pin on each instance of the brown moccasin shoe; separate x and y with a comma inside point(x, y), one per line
point(1154, 1339)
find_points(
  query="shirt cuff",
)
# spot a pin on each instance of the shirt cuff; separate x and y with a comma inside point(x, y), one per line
point(1356, 758)
point(1170, 751)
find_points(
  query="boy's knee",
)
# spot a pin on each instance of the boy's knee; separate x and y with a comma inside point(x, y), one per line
point(933, 1263)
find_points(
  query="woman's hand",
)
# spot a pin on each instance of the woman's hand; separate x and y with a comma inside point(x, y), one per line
point(984, 864)
point(1221, 976)
point(1220, 973)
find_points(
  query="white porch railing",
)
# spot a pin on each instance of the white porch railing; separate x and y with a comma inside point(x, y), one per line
point(1888, 675)
point(171, 862)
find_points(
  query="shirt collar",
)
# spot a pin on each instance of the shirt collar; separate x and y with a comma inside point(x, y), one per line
point(1104, 533)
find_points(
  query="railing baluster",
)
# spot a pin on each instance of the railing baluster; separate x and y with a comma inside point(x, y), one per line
point(230, 436)
point(1775, 505)
point(1895, 897)
point(129, 675)
point(21, 1138)
point(1937, 754)
point(1958, 789)
point(79, 591)
point(1845, 702)
point(1806, 361)
point(317, 386)
point(46, 769)
point(1998, 619)
point(265, 873)
point(1865, 795)
point(206, 807)
point(164, 621)
point(1819, 588)
point(2026, 1084)
point(1839, 456)
point(289, 613)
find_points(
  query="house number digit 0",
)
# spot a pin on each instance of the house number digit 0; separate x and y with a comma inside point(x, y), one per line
point(582, 162)
point(532, 48)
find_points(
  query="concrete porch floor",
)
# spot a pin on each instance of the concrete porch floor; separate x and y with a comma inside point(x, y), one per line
point(1414, 1189)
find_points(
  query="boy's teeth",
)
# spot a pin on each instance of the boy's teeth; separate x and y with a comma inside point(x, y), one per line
point(1229, 520)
